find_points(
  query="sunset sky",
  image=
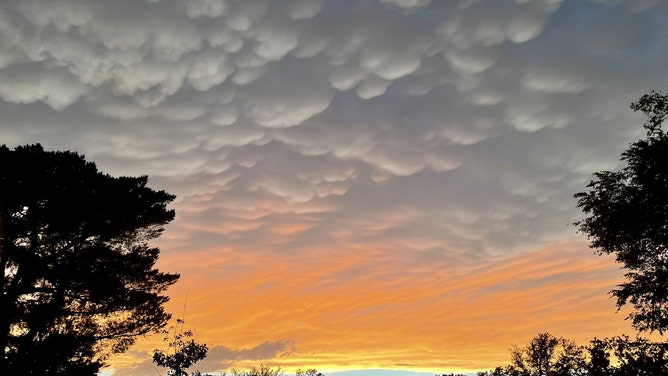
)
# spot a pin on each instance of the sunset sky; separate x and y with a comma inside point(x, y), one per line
point(361, 185)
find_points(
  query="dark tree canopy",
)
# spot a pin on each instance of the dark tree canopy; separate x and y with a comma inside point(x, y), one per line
point(547, 355)
point(628, 217)
point(79, 281)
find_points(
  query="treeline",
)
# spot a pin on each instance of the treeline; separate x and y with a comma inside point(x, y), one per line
point(269, 371)
point(547, 355)
point(544, 355)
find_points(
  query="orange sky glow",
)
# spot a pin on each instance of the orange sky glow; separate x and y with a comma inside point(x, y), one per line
point(347, 309)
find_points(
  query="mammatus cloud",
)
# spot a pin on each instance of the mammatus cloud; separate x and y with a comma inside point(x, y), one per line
point(432, 132)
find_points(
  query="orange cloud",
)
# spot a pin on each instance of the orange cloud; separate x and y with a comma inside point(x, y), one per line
point(377, 309)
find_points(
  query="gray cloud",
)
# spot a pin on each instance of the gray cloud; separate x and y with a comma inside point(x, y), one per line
point(282, 106)
point(219, 358)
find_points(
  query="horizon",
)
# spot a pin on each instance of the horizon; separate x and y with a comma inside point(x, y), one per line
point(361, 372)
point(360, 185)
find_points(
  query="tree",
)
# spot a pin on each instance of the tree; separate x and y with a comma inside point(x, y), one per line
point(547, 355)
point(537, 357)
point(571, 359)
point(79, 281)
point(184, 351)
point(599, 363)
point(639, 357)
point(308, 372)
point(628, 217)
point(263, 370)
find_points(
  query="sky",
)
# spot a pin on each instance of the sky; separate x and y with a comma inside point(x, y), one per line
point(361, 185)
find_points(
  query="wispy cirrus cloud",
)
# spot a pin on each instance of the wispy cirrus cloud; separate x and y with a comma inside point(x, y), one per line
point(369, 308)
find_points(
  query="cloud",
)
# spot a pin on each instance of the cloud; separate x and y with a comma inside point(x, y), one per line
point(252, 103)
point(56, 89)
point(265, 350)
point(367, 307)
point(286, 100)
point(437, 133)
point(205, 8)
point(218, 359)
point(471, 61)
point(485, 25)
point(221, 357)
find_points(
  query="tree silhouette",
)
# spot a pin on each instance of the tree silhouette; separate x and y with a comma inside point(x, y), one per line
point(599, 358)
point(308, 372)
point(547, 355)
point(628, 217)
point(262, 370)
point(79, 281)
point(639, 356)
point(183, 351)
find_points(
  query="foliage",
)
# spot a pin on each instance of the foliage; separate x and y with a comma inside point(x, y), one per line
point(639, 356)
point(184, 351)
point(599, 358)
point(546, 354)
point(308, 372)
point(264, 370)
point(260, 371)
point(628, 217)
point(501, 371)
point(79, 281)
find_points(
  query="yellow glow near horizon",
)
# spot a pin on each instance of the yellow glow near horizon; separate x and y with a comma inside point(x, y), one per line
point(353, 310)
